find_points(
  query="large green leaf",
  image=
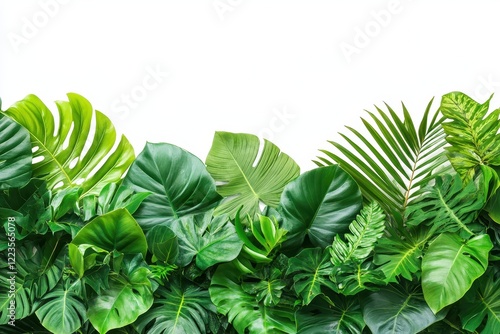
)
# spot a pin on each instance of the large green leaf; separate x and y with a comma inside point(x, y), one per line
point(242, 309)
point(472, 133)
point(129, 295)
point(116, 230)
point(395, 160)
point(179, 308)
point(62, 311)
point(15, 154)
point(210, 240)
point(311, 268)
point(451, 265)
point(482, 300)
point(247, 178)
point(398, 309)
point(448, 206)
point(319, 204)
point(365, 231)
point(177, 180)
point(62, 158)
point(336, 315)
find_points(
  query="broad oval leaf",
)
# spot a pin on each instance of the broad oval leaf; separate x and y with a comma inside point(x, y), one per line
point(15, 154)
point(398, 309)
point(116, 230)
point(451, 265)
point(177, 180)
point(163, 243)
point(127, 297)
point(61, 158)
point(210, 240)
point(246, 178)
point(242, 309)
point(180, 308)
point(62, 311)
point(319, 204)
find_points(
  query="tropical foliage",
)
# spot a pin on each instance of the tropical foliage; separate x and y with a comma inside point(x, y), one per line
point(396, 231)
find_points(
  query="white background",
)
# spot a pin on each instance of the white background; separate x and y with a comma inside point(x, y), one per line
point(295, 72)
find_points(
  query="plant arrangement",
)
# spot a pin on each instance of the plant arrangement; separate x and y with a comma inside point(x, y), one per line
point(396, 231)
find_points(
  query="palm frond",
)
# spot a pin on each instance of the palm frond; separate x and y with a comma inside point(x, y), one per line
point(394, 160)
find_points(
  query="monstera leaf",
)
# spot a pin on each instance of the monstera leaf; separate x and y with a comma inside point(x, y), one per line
point(180, 308)
point(178, 181)
point(242, 309)
point(472, 133)
point(319, 204)
point(450, 266)
point(247, 178)
point(62, 157)
point(15, 154)
point(398, 309)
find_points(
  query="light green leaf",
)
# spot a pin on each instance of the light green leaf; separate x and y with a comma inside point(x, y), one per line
point(211, 240)
point(398, 309)
point(180, 308)
point(15, 154)
point(61, 157)
point(319, 204)
point(178, 181)
point(242, 309)
point(245, 178)
point(450, 266)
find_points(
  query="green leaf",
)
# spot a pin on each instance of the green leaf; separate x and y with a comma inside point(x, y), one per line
point(448, 206)
point(319, 204)
point(15, 154)
point(394, 159)
point(163, 243)
point(247, 178)
point(127, 297)
point(472, 133)
point(62, 311)
point(116, 230)
point(178, 181)
point(365, 231)
point(338, 315)
point(398, 309)
point(352, 278)
point(481, 301)
point(179, 308)
point(311, 269)
point(211, 240)
point(450, 266)
point(61, 157)
point(243, 311)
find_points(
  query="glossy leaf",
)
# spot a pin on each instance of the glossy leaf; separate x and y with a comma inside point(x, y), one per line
point(450, 266)
point(61, 157)
point(242, 309)
point(211, 240)
point(15, 154)
point(179, 184)
point(398, 309)
point(311, 269)
point(180, 308)
point(163, 243)
point(472, 132)
point(319, 204)
point(247, 178)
